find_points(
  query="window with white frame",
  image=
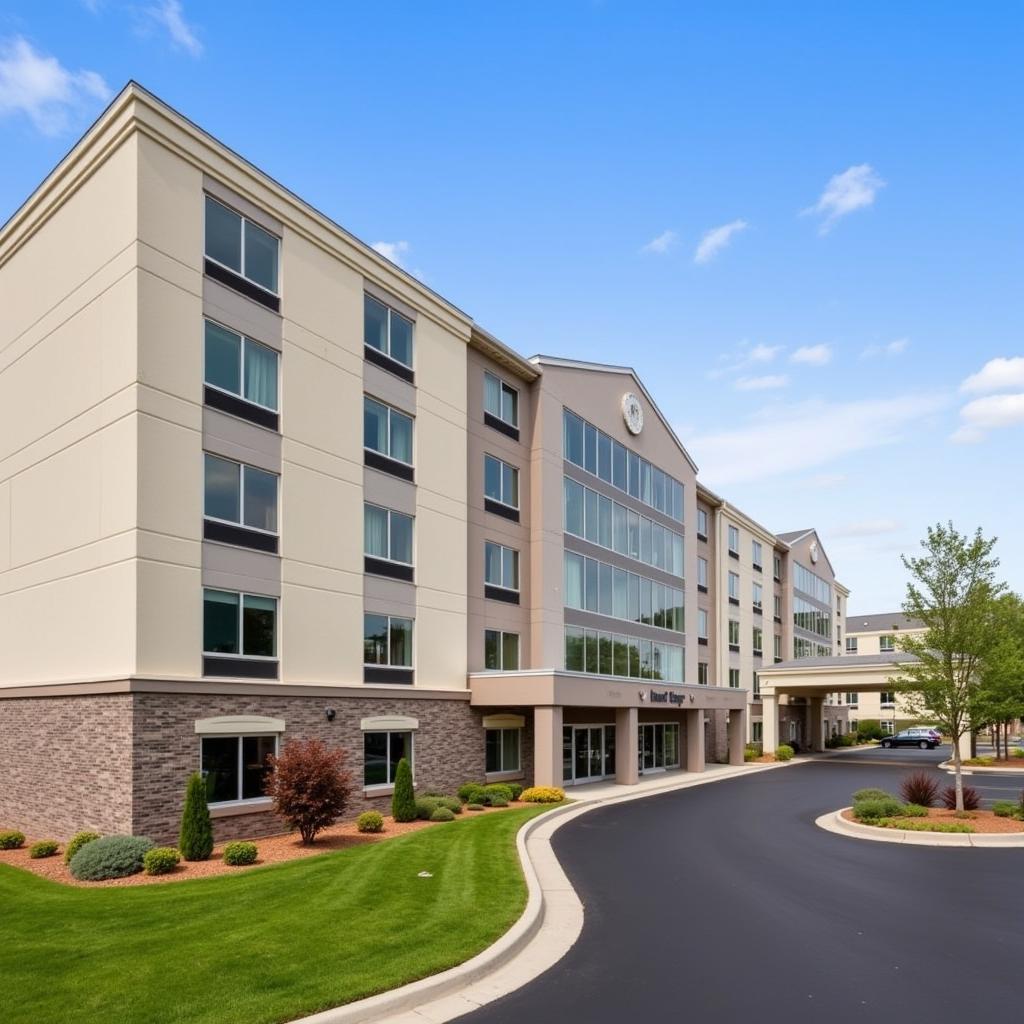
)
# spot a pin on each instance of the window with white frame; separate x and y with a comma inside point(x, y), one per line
point(702, 523)
point(734, 586)
point(501, 400)
point(758, 640)
point(239, 625)
point(777, 647)
point(702, 623)
point(387, 431)
point(734, 678)
point(756, 552)
point(851, 699)
point(777, 605)
point(888, 698)
point(387, 640)
point(502, 750)
point(702, 673)
point(758, 592)
point(734, 541)
point(381, 753)
point(888, 727)
point(501, 482)
point(240, 366)
point(886, 643)
point(777, 566)
point(702, 572)
point(501, 651)
point(734, 633)
point(387, 534)
point(851, 645)
point(501, 566)
point(241, 246)
point(757, 685)
point(387, 331)
point(235, 768)
point(239, 494)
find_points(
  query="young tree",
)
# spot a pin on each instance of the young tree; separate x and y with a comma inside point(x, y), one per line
point(309, 786)
point(195, 840)
point(1001, 675)
point(403, 800)
point(952, 589)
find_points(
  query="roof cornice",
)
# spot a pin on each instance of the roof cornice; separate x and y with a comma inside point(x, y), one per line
point(497, 350)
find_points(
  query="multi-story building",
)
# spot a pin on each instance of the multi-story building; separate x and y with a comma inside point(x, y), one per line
point(257, 483)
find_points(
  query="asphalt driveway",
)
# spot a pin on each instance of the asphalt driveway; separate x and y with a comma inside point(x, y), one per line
point(725, 903)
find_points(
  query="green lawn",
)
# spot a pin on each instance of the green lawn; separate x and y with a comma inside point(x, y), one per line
point(266, 945)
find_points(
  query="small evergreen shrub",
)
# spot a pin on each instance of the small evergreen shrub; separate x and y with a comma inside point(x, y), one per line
point(925, 826)
point(110, 857)
point(403, 800)
point(44, 848)
point(12, 840)
point(78, 840)
point(920, 788)
point(872, 794)
point(1004, 809)
point(240, 854)
point(474, 807)
point(471, 793)
point(498, 789)
point(516, 788)
point(972, 798)
point(912, 810)
point(370, 821)
point(498, 801)
point(195, 840)
point(425, 807)
point(442, 814)
point(872, 810)
point(161, 860)
point(542, 795)
point(309, 786)
point(783, 752)
point(752, 751)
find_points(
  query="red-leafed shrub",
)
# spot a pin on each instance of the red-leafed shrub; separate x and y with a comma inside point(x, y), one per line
point(920, 788)
point(309, 786)
point(972, 798)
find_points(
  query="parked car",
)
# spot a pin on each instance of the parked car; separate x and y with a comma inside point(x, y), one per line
point(925, 739)
point(926, 730)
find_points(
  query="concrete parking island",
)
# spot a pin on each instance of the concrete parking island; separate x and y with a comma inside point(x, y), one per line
point(835, 822)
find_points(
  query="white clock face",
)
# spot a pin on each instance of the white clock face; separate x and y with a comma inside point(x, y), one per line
point(632, 413)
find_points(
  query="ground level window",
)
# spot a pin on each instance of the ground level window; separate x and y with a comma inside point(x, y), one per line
point(235, 767)
point(502, 750)
point(756, 731)
point(887, 727)
point(381, 753)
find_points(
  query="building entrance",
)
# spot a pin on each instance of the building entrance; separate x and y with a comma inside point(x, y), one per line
point(588, 753)
point(658, 748)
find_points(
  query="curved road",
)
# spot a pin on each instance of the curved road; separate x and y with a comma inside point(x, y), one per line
point(725, 903)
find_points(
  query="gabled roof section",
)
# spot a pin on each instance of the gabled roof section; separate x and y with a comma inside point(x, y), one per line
point(578, 364)
point(795, 536)
point(880, 621)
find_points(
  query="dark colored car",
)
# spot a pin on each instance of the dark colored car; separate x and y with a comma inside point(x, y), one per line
point(913, 738)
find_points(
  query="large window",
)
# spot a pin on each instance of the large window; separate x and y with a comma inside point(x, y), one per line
point(387, 534)
point(734, 541)
point(502, 750)
point(387, 332)
point(595, 586)
point(501, 400)
point(235, 767)
point(239, 625)
point(501, 482)
point(587, 447)
point(239, 494)
point(387, 641)
point(239, 366)
point(812, 584)
point(241, 246)
point(610, 654)
point(734, 634)
point(501, 651)
point(501, 566)
point(381, 753)
point(756, 554)
point(387, 431)
point(758, 641)
point(812, 619)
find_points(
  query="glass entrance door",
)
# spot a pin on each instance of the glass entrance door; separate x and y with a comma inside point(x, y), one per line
point(588, 753)
point(658, 747)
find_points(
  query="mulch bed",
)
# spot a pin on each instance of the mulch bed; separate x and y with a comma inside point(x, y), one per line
point(272, 850)
point(984, 822)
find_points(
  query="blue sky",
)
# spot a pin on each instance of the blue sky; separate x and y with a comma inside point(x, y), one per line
point(800, 223)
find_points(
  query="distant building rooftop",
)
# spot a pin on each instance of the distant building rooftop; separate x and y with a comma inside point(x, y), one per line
point(894, 621)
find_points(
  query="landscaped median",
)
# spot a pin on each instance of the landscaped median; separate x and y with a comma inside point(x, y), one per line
point(266, 945)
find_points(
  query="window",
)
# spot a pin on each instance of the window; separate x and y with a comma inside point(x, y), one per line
point(851, 645)
point(244, 495)
point(756, 732)
point(734, 634)
point(387, 534)
point(239, 245)
point(887, 726)
point(239, 366)
point(501, 482)
point(886, 643)
point(501, 750)
point(501, 566)
point(593, 586)
point(734, 542)
point(702, 573)
point(777, 647)
point(734, 587)
point(758, 597)
point(758, 641)
point(777, 606)
point(888, 698)
point(239, 625)
point(381, 753)
point(702, 673)
point(611, 654)
point(501, 400)
point(387, 332)
point(777, 566)
point(702, 524)
point(387, 431)
point(235, 767)
point(812, 584)
point(757, 686)
point(755, 548)
point(501, 651)
point(702, 623)
point(734, 678)
point(851, 699)
point(387, 641)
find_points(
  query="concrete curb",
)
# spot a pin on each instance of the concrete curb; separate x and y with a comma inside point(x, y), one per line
point(547, 929)
point(834, 821)
point(974, 769)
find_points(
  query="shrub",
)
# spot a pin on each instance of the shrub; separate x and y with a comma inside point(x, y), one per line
point(516, 789)
point(498, 789)
point(498, 801)
point(869, 729)
point(44, 848)
point(920, 788)
point(783, 752)
point(972, 798)
point(1004, 809)
point(542, 795)
point(443, 814)
point(161, 860)
point(78, 840)
point(912, 810)
point(752, 751)
point(12, 840)
point(309, 786)
point(110, 857)
point(1018, 752)
point(403, 800)
point(872, 810)
point(872, 794)
point(195, 840)
point(474, 807)
point(471, 793)
point(370, 821)
point(425, 807)
point(240, 854)
point(926, 826)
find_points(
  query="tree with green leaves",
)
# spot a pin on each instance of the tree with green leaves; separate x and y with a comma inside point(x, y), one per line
point(1001, 677)
point(952, 590)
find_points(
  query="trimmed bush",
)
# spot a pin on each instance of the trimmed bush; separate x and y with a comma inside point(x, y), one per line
point(471, 793)
point(498, 801)
point(370, 821)
point(872, 810)
point(912, 810)
point(1004, 809)
point(542, 795)
point(240, 854)
point(110, 857)
point(12, 840)
point(516, 788)
point(752, 751)
point(872, 794)
point(44, 848)
point(425, 807)
point(972, 798)
point(920, 788)
point(474, 807)
point(161, 860)
point(925, 826)
point(310, 786)
point(783, 752)
point(78, 840)
point(498, 789)
point(195, 840)
point(442, 814)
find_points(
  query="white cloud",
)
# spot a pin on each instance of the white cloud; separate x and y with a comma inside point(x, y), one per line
point(394, 251)
point(852, 190)
point(170, 15)
point(662, 243)
point(744, 355)
point(893, 348)
point(715, 240)
point(796, 438)
point(867, 528)
point(990, 413)
point(996, 375)
point(765, 383)
point(43, 89)
point(812, 355)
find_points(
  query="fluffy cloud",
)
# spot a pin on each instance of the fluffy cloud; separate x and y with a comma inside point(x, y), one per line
point(765, 383)
point(716, 239)
point(745, 355)
point(854, 189)
point(812, 355)
point(996, 375)
point(662, 243)
point(893, 348)
point(394, 251)
point(43, 89)
point(170, 16)
point(985, 414)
